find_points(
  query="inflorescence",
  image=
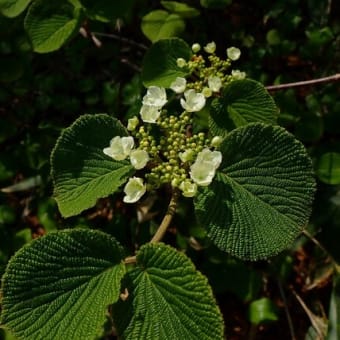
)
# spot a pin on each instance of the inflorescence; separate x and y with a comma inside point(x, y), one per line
point(176, 155)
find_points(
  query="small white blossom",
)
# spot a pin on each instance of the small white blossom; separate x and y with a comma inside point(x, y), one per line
point(193, 101)
point(216, 141)
point(215, 83)
point(178, 85)
point(207, 92)
point(186, 155)
point(132, 123)
point(134, 190)
point(196, 47)
point(155, 96)
point(150, 114)
point(189, 189)
point(238, 75)
point(233, 53)
point(181, 62)
point(139, 158)
point(203, 170)
point(210, 47)
point(120, 147)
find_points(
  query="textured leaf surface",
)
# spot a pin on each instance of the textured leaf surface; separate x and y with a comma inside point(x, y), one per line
point(59, 286)
point(261, 196)
point(168, 299)
point(81, 172)
point(50, 24)
point(160, 24)
point(242, 102)
point(12, 8)
point(160, 62)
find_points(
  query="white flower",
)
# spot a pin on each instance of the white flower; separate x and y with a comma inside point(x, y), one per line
point(215, 83)
point(203, 170)
point(193, 101)
point(181, 62)
point(233, 53)
point(178, 85)
point(196, 47)
point(132, 123)
point(210, 47)
point(188, 188)
point(216, 141)
point(120, 147)
point(139, 158)
point(186, 155)
point(238, 75)
point(155, 96)
point(134, 190)
point(150, 113)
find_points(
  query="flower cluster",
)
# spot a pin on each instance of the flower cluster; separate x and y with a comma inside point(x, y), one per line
point(175, 155)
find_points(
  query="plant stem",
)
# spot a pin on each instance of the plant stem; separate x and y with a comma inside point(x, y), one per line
point(334, 77)
point(163, 226)
point(167, 218)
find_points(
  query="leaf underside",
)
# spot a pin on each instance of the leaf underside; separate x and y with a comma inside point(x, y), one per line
point(168, 299)
point(81, 172)
point(261, 197)
point(59, 286)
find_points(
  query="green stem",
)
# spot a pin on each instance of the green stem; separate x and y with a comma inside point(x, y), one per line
point(167, 218)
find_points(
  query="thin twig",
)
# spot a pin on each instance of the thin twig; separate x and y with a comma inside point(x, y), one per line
point(333, 78)
point(167, 218)
point(289, 319)
point(120, 38)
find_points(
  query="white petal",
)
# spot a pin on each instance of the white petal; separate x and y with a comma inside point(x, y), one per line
point(210, 47)
point(196, 47)
point(120, 147)
point(139, 158)
point(233, 53)
point(150, 114)
point(238, 75)
point(202, 173)
point(155, 96)
point(194, 101)
point(189, 189)
point(215, 83)
point(210, 157)
point(134, 190)
point(178, 85)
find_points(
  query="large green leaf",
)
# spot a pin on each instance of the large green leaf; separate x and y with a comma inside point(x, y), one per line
point(12, 8)
point(168, 299)
point(59, 286)
point(161, 24)
point(242, 102)
point(51, 24)
point(160, 62)
point(81, 172)
point(261, 197)
point(180, 8)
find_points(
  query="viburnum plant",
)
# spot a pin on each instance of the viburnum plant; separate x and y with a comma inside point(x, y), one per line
point(204, 131)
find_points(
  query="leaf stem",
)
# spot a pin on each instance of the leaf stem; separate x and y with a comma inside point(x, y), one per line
point(334, 77)
point(167, 218)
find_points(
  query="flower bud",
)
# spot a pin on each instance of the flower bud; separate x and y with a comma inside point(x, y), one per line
point(139, 158)
point(216, 141)
point(215, 83)
point(238, 75)
point(188, 188)
point(132, 123)
point(196, 47)
point(233, 53)
point(178, 85)
point(210, 47)
point(181, 62)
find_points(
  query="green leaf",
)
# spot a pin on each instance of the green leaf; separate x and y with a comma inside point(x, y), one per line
point(59, 286)
point(333, 332)
point(160, 24)
point(260, 198)
point(12, 8)
point(51, 24)
point(182, 9)
point(81, 172)
point(262, 311)
point(168, 299)
point(160, 62)
point(242, 102)
point(215, 4)
point(328, 168)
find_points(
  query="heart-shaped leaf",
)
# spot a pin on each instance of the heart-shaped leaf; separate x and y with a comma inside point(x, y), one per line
point(81, 172)
point(242, 102)
point(51, 24)
point(160, 62)
point(59, 286)
point(161, 24)
point(168, 299)
point(261, 197)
